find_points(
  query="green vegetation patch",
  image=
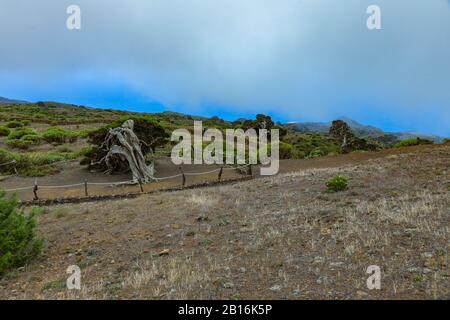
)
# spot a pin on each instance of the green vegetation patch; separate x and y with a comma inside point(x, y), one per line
point(59, 135)
point(412, 142)
point(336, 184)
point(18, 240)
point(4, 131)
point(34, 164)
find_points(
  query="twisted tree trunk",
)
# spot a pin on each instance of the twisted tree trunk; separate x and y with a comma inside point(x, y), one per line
point(122, 145)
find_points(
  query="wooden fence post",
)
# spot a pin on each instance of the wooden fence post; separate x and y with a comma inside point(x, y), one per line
point(250, 172)
point(86, 188)
point(35, 190)
point(14, 166)
point(220, 173)
point(184, 180)
point(140, 185)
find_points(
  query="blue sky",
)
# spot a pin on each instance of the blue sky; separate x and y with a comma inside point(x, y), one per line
point(297, 60)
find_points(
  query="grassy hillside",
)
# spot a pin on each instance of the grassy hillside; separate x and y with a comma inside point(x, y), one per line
point(50, 132)
point(37, 135)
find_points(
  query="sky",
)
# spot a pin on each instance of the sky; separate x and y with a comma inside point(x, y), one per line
point(296, 60)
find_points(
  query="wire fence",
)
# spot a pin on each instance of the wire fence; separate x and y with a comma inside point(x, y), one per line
point(8, 163)
point(86, 184)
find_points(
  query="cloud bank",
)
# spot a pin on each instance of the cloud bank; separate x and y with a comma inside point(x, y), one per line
point(298, 59)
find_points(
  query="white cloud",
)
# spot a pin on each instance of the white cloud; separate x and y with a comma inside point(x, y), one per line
point(300, 58)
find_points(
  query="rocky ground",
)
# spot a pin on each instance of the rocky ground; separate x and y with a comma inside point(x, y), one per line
point(281, 237)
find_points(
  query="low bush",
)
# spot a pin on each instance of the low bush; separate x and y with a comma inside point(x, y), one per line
point(311, 145)
point(23, 138)
point(316, 153)
point(285, 150)
point(33, 165)
point(19, 144)
point(412, 142)
point(64, 149)
point(14, 124)
point(59, 135)
point(336, 184)
point(18, 240)
point(4, 131)
point(20, 132)
point(33, 138)
point(39, 171)
point(85, 133)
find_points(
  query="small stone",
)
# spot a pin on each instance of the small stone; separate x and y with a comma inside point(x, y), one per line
point(275, 288)
point(202, 218)
point(319, 259)
point(427, 255)
point(336, 264)
point(165, 252)
point(361, 293)
point(325, 231)
point(227, 285)
point(414, 270)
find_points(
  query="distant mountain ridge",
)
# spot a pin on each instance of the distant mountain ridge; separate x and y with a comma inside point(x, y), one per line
point(10, 101)
point(359, 129)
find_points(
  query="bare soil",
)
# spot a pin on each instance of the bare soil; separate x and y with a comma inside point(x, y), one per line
point(279, 237)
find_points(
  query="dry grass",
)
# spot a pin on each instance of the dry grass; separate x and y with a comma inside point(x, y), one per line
point(277, 237)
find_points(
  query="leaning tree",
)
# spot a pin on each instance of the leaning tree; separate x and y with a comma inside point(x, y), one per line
point(123, 145)
point(349, 142)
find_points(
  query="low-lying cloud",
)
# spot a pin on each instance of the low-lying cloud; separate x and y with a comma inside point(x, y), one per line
point(299, 59)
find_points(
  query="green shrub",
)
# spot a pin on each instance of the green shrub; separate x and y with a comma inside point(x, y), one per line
point(7, 156)
point(14, 124)
point(19, 144)
point(59, 135)
point(316, 153)
point(412, 142)
point(23, 138)
point(20, 132)
point(18, 240)
point(311, 145)
point(4, 131)
point(33, 138)
point(39, 171)
point(85, 133)
point(64, 149)
point(337, 183)
point(286, 150)
point(33, 165)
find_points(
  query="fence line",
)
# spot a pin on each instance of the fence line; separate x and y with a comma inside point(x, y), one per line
point(7, 163)
point(36, 187)
point(63, 186)
point(19, 189)
point(169, 177)
point(109, 183)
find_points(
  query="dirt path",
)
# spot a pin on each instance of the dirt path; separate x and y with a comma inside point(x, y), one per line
point(72, 173)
